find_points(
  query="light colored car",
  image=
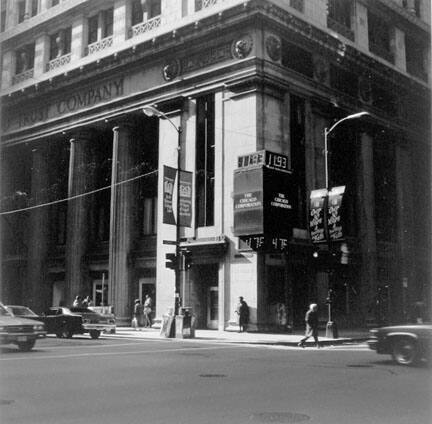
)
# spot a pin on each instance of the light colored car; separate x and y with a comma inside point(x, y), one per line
point(22, 332)
point(408, 344)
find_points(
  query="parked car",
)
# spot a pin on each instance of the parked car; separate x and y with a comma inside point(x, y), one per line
point(408, 344)
point(19, 331)
point(65, 320)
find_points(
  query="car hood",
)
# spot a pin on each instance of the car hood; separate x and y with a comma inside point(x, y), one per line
point(5, 320)
point(409, 327)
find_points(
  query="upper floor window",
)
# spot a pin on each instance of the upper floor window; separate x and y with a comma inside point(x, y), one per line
point(2, 15)
point(379, 37)
point(203, 4)
point(60, 43)
point(415, 57)
point(412, 6)
point(100, 31)
point(27, 9)
point(145, 10)
point(21, 11)
point(339, 17)
point(24, 58)
point(54, 2)
point(145, 16)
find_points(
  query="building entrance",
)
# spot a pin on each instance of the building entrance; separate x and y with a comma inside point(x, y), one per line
point(205, 295)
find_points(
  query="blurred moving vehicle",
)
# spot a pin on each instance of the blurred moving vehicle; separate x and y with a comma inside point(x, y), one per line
point(65, 320)
point(408, 344)
point(107, 312)
point(22, 332)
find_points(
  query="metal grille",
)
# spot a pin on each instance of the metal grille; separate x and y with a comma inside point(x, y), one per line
point(22, 76)
point(58, 62)
point(146, 26)
point(19, 329)
point(100, 45)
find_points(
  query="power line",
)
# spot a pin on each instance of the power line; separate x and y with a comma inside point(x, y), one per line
point(77, 196)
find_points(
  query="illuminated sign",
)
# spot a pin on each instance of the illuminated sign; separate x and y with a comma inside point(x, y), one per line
point(264, 158)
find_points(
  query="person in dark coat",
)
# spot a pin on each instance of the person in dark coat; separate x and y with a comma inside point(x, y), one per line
point(311, 319)
point(243, 313)
point(138, 315)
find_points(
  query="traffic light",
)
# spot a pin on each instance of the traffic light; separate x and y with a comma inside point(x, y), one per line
point(171, 260)
point(187, 254)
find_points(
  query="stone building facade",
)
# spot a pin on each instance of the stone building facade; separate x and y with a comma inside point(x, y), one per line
point(82, 167)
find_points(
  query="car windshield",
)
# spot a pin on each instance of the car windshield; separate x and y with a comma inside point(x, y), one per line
point(21, 311)
point(4, 312)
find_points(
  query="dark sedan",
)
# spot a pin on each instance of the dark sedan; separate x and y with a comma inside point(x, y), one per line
point(57, 321)
point(408, 344)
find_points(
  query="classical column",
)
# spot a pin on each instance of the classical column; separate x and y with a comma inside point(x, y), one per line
point(121, 223)
point(36, 294)
point(367, 234)
point(80, 182)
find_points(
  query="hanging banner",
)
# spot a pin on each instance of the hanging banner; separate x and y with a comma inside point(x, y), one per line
point(185, 199)
point(168, 191)
point(334, 213)
point(316, 217)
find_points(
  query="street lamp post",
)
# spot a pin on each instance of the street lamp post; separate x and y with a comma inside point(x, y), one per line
point(331, 328)
point(153, 111)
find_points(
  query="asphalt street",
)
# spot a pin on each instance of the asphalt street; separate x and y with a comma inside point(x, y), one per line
point(112, 381)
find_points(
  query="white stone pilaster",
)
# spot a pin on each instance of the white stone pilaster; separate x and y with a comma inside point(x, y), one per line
point(42, 49)
point(400, 53)
point(79, 38)
point(121, 21)
point(317, 11)
point(8, 68)
point(362, 35)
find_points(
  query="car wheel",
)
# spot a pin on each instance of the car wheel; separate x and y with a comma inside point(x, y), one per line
point(67, 334)
point(405, 351)
point(94, 334)
point(26, 346)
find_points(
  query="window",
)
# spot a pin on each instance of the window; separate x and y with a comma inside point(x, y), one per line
point(54, 2)
point(205, 161)
point(343, 80)
point(339, 17)
point(415, 61)
point(34, 7)
point(2, 15)
point(60, 43)
point(93, 24)
point(140, 14)
point(412, 6)
point(203, 4)
point(21, 11)
point(24, 59)
point(107, 22)
point(297, 59)
point(379, 37)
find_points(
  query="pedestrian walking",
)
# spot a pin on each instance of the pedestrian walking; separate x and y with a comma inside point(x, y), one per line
point(148, 303)
point(311, 319)
point(138, 315)
point(243, 312)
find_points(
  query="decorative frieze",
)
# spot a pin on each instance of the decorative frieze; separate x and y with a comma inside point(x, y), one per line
point(273, 48)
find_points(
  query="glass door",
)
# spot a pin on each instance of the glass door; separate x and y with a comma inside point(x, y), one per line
point(213, 307)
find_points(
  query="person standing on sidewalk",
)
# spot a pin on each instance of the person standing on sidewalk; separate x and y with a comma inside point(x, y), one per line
point(243, 313)
point(311, 319)
point(147, 311)
point(138, 315)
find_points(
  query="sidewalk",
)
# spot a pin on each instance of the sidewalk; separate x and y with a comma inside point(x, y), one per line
point(281, 339)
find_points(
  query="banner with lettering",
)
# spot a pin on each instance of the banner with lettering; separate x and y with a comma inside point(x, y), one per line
point(185, 199)
point(317, 222)
point(334, 213)
point(169, 176)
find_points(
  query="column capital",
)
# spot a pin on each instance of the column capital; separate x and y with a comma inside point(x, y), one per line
point(84, 134)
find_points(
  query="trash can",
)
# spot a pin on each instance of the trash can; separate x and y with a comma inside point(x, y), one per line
point(185, 324)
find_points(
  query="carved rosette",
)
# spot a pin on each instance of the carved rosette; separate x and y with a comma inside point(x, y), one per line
point(241, 48)
point(365, 89)
point(171, 70)
point(273, 47)
point(321, 71)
